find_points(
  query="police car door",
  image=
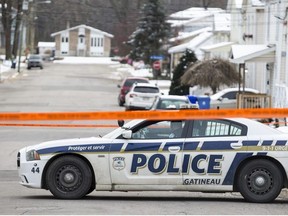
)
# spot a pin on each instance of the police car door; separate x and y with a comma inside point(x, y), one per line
point(151, 158)
point(211, 148)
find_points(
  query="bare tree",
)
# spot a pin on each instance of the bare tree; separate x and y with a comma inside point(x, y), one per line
point(211, 73)
point(18, 17)
point(7, 7)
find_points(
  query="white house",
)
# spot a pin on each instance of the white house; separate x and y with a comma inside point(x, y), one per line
point(82, 40)
point(46, 49)
point(260, 29)
point(198, 28)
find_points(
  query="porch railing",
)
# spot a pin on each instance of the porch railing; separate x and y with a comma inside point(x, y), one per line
point(253, 101)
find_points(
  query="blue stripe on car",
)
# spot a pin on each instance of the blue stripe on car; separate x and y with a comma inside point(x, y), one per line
point(77, 148)
point(190, 146)
point(229, 178)
point(143, 147)
point(267, 142)
point(250, 143)
point(281, 142)
point(217, 145)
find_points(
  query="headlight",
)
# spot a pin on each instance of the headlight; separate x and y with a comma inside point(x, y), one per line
point(32, 155)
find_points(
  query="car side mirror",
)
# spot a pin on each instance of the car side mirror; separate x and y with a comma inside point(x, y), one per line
point(120, 123)
point(220, 99)
point(118, 86)
point(127, 134)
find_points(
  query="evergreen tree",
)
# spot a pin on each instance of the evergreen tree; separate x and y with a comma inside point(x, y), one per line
point(176, 87)
point(151, 32)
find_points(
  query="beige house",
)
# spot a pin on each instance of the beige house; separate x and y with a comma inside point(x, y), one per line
point(82, 40)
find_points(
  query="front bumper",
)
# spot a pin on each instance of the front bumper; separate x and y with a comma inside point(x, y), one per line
point(30, 172)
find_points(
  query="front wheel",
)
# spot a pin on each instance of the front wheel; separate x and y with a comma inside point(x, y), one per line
point(69, 177)
point(260, 181)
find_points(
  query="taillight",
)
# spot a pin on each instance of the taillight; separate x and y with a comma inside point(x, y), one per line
point(133, 95)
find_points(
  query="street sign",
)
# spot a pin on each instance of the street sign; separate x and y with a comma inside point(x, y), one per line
point(157, 57)
point(157, 65)
point(25, 5)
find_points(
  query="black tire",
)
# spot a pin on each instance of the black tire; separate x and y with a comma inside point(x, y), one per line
point(69, 177)
point(120, 103)
point(260, 181)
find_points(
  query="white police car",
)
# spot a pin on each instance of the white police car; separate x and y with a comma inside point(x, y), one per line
point(215, 155)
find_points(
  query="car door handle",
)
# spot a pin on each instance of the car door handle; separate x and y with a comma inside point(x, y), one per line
point(237, 145)
point(174, 149)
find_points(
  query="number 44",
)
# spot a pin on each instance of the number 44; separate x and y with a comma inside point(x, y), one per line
point(35, 169)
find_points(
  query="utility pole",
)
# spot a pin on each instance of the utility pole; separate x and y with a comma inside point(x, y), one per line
point(31, 22)
point(23, 22)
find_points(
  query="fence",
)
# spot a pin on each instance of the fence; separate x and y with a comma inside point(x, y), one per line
point(253, 101)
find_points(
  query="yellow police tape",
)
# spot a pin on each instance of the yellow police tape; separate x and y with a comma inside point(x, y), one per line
point(152, 115)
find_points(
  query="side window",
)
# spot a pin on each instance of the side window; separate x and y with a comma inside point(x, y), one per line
point(213, 128)
point(230, 95)
point(159, 130)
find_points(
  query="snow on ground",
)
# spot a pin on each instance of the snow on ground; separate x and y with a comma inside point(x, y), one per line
point(121, 70)
point(85, 60)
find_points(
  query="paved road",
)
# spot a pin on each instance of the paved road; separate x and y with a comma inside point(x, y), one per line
point(89, 88)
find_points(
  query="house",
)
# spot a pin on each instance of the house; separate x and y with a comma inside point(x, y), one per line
point(196, 28)
point(46, 49)
point(260, 29)
point(82, 40)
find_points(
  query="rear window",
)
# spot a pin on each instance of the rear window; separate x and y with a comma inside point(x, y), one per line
point(143, 89)
point(34, 57)
point(130, 82)
point(169, 103)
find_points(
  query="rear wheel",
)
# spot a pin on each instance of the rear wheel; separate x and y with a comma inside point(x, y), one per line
point(69, 177)
point(260, 181)
point(120, 103)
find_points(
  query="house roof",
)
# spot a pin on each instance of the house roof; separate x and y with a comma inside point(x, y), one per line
point(219, 47)
point(195, 12)
point(253, 53)
point(222, 22)
point(86, 27)
point(46, 44)
point(186, 35)
point(192, 44)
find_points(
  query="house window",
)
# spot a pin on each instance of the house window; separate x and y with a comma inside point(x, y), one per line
point(63, 39)
point(66, 39)
point(101, 42)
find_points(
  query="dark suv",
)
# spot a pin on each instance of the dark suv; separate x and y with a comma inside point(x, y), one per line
point(35, 61)
point(126, 86)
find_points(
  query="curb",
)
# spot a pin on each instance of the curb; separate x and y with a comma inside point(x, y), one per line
point(10, 74)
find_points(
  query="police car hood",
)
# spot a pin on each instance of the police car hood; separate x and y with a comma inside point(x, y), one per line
point(64, 143)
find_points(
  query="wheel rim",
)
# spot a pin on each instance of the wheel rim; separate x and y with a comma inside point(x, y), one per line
point(68, 178)
point(259, 181)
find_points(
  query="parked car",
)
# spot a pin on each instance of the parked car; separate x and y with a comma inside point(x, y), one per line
point(227, 98)
point(209, 155)
point(141, 96)
point(164, 102)
point(126, 86)
point(35, 61)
